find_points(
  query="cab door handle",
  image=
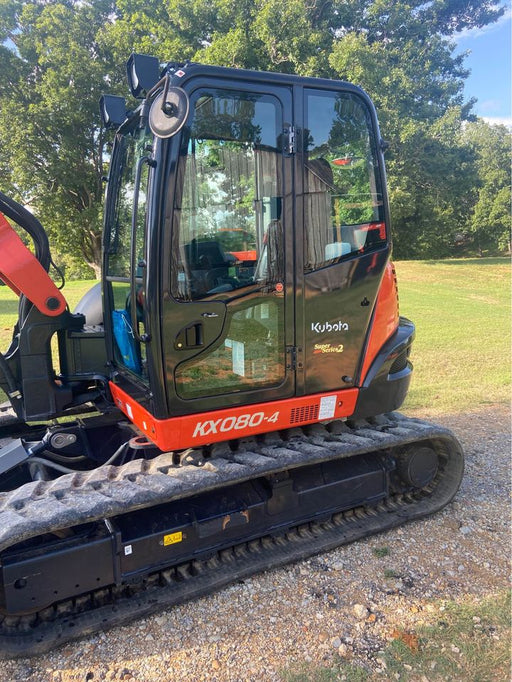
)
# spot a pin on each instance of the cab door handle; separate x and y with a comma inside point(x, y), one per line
point(190, 337)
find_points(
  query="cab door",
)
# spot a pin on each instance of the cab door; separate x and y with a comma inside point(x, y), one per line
point(228, 313)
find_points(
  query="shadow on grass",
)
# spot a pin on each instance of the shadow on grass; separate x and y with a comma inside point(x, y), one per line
point(498, 260)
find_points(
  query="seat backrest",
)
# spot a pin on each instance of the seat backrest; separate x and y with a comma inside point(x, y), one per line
point(205, 255)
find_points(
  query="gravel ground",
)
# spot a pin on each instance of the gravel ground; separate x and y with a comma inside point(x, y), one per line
point(342, 603)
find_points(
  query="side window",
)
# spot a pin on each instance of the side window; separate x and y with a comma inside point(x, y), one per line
point(127, 327)
point(228, 212)
point(343, 200)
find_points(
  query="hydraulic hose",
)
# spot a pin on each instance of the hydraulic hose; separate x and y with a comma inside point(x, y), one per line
point(66, 470)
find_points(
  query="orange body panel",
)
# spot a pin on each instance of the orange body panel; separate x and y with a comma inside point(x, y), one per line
point(23, 273)
point(193, 430)
point(385, 321)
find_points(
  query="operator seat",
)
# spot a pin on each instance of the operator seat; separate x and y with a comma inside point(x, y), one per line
point(208, 265)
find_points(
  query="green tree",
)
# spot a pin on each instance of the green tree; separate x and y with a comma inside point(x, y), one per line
point(290, 36)
point(54, 71)
point(58, 57)
point(490, 221)
point(402, 57)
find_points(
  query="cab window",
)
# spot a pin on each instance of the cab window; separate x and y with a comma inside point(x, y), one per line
point(344, 210)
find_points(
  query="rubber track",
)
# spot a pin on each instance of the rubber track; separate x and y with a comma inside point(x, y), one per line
point(73, 499)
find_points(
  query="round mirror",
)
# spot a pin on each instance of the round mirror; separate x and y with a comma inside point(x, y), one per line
point(168, 112)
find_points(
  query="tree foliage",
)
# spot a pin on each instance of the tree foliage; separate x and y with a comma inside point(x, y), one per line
point(489, 227)
point(58, 57)
point(50, 136)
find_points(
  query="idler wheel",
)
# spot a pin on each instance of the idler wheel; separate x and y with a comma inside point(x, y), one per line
point(418, 466)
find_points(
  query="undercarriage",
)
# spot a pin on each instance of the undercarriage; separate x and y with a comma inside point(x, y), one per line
point(96, 548)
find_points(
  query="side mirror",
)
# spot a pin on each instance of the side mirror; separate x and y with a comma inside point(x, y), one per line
point(169, 111)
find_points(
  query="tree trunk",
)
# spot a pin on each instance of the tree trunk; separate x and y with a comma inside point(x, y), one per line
point(96, 268)
point(91, 252)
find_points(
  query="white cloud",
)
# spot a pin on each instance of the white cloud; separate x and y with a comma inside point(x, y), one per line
point(499, 120)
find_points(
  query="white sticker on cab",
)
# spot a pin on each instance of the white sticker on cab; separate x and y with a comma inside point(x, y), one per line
point(327, 407)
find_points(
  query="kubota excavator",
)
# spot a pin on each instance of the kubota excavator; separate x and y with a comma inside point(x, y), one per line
point(228, 393)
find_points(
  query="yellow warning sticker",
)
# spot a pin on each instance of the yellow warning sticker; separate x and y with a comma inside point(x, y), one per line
point(173, 538)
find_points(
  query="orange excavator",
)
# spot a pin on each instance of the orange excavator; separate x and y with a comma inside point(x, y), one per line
point(224, 401)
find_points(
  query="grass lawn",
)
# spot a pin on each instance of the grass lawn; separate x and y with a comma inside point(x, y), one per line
point(462, 313)
point(461, 354)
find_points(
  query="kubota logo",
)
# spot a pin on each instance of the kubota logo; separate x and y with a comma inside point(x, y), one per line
point(322, 327)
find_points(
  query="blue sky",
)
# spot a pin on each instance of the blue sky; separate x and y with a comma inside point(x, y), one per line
point(490, 64)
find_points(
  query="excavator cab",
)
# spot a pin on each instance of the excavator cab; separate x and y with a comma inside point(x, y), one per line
point(246, 243)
